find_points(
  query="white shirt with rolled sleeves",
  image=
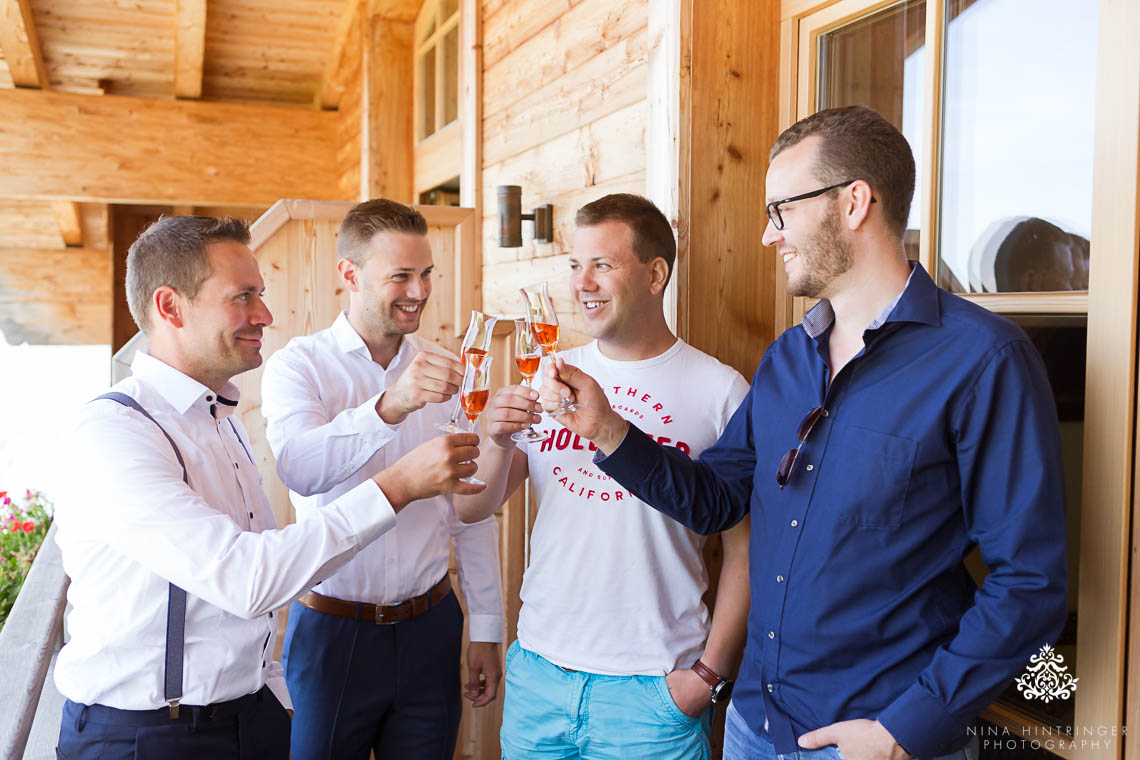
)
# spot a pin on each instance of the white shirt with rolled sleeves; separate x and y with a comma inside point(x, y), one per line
point(128, 526)
point(319, 396)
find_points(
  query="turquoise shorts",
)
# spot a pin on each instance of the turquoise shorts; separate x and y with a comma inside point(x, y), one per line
point(549, 712)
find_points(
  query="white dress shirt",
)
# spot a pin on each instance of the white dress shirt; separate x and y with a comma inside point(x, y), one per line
point(127, 525)
point(319, 395)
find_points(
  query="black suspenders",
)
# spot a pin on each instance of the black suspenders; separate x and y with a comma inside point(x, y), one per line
point(176, 602)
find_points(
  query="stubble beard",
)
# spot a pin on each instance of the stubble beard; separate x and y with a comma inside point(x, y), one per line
point(825, 257)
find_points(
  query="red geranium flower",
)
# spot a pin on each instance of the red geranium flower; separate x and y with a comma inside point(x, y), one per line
point(3, 494)
point(29, 527)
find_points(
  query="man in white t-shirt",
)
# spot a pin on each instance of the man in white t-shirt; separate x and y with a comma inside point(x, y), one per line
point(617, 656)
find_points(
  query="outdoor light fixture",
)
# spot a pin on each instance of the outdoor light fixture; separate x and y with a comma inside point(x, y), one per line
point(511, 219)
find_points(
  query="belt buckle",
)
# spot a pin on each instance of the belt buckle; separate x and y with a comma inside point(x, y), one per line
point(380, 616)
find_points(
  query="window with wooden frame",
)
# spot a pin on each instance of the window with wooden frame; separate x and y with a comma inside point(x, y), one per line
point(438, 151)
point(1016, 111)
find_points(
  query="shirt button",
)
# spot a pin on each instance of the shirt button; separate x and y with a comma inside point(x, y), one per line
point(810, 467)
point(771, 634)
point(235, 465)
point(771, 688)
point(251, 515)
point(795, 523)
point(779, 579)
point(824, 412)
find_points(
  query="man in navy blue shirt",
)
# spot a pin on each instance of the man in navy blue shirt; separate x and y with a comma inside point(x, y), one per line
point(881, 440)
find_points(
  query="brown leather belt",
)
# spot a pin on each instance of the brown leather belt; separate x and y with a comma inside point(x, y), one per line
point(379, 614)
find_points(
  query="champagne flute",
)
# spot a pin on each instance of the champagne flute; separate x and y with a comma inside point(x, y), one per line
point(476, 344)
point(473, 395)
point(528, 355)
point(543, 322)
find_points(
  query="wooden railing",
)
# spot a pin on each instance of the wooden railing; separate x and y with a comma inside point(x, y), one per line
point(31, 635)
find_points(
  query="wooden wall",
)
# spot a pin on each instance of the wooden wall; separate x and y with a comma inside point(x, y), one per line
point(349, 118)
point(52, 293)
point(564, 112)
point(734, 285)
point(56, 297)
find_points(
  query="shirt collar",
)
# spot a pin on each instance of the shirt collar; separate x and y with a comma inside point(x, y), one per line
point(918, 302)
point(179, 389)
point(349, 341)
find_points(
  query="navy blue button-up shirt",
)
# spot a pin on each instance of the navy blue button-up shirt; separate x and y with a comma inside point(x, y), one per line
point(940, 434)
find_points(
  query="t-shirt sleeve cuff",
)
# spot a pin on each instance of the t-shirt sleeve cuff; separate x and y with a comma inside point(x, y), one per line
point(485, 628)
point(921, 724)
point(367, 511)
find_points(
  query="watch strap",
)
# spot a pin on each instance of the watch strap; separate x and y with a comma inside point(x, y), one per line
point(708, 675)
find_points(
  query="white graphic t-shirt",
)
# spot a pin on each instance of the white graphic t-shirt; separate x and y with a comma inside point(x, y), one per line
point(614, 586)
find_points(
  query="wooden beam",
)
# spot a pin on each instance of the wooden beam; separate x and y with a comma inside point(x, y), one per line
point(332, 84)
point(734, 116)
point(112, 149)
point(471, 141)
point(1108, 626)
point(387, 146)
point(70, 225)
point(668, 132)
point(189, 48)
point(394, 10)
point(21, 45)
point(28, 224)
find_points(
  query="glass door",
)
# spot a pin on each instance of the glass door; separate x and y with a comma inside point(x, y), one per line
point(1017, 143)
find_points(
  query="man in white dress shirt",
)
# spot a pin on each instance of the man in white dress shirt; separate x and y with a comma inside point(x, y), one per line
point(372, 654)
point(176, 563)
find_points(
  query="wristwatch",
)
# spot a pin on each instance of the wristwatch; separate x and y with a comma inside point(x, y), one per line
point(721, 688)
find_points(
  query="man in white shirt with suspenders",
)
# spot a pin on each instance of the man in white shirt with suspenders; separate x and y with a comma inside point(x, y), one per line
point(175, 560)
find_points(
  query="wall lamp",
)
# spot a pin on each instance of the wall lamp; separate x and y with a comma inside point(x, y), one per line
point(511, 218)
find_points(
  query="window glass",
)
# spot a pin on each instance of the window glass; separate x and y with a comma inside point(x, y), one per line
point(1017, 145)
point(427, 92)
point(878, 61)
point(450, 76)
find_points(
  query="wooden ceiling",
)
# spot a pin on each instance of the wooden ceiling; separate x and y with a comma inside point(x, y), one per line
point(264, 51)
point(228, 63)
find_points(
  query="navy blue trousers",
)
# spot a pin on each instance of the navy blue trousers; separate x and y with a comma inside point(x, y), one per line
point(259, 729)
point(358, 686)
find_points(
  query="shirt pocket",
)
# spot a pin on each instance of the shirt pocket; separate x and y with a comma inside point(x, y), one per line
point(874, 477)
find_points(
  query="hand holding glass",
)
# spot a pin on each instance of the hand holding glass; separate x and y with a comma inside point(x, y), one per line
point(476, 344)
point(473, 396)
point(528, 355)
point(543, 323)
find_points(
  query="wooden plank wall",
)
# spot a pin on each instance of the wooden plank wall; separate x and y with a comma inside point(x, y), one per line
point(730, 311)
point(59, 295)
point(564, 108)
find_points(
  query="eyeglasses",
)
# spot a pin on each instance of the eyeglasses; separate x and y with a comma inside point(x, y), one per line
point(774, 206)
point(784, 471)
